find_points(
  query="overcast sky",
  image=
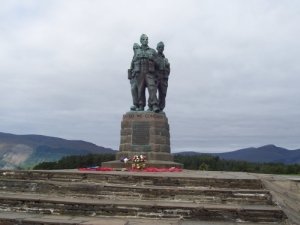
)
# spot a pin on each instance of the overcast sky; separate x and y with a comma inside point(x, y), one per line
point(235, 69)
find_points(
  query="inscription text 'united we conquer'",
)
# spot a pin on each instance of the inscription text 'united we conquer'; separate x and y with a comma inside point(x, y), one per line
point(143, 116)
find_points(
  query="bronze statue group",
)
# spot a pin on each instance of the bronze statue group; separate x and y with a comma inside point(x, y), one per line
point(149, 69)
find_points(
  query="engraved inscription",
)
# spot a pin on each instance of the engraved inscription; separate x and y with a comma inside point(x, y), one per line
point(140, 133)
point(146, 116)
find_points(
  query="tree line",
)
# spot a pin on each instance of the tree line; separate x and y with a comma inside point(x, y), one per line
point(215, 163)
point(195, 162)
point(76, 161)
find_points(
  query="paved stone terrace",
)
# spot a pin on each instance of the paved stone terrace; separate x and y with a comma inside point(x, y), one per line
point(188, 197)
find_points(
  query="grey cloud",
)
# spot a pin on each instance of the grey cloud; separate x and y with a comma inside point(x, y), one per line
point(234, 79)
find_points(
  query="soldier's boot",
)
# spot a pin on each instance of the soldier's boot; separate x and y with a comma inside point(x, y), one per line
point(141, 108)
point(133, 108)
point(156, 109)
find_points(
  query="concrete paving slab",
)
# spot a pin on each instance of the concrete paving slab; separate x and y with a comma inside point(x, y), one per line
point(225, 223)
point(71, 200)
point(17, 218)
point(285, 190)
point(184, 173)
point(23, 218)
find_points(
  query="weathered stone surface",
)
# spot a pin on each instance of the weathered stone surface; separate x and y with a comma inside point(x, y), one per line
point(194, 196)
point(184, 179)
point(286, 192)
point(144, 129)
point(154, 209)
point(115, 191)
point(12, 218)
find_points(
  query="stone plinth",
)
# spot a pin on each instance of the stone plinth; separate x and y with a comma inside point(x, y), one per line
point(145, 133)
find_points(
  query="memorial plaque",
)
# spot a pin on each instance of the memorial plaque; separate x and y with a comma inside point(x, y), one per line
point(140, 133)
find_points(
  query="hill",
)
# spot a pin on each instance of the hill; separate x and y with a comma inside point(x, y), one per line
point(267, 153)
point(27, 150)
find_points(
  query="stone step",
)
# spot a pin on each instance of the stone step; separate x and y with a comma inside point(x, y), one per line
point(46, 204)
point(186, 178)
point(114, 191)
point(13, 218)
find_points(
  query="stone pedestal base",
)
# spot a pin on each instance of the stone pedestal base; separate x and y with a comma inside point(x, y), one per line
point(145, 133)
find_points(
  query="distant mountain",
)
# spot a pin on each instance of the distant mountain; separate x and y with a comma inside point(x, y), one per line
point(27, 150)
point(267, 153)
point(24, 151)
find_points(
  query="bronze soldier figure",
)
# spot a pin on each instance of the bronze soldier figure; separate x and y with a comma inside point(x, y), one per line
point(162, 72)
point(133, 81)
point(144, 68)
